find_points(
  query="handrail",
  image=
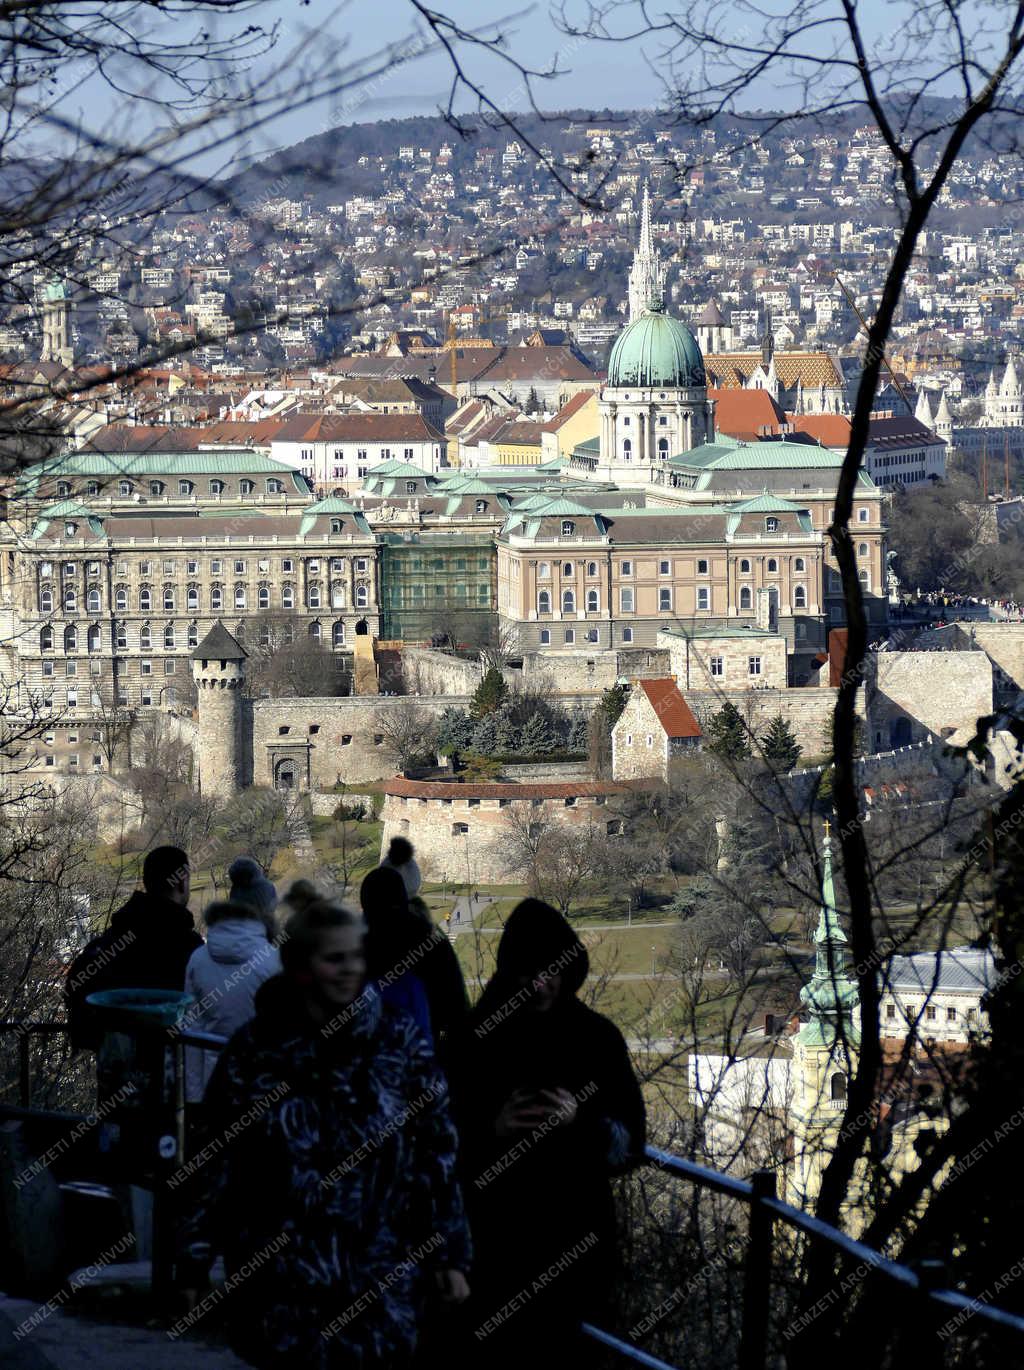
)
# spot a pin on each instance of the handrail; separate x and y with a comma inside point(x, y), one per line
point(758, 1193)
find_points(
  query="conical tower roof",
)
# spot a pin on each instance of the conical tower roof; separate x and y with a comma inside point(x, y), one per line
point(1011, 382)
point(923, 411)
point(943, 415)
point(830, 996)
point(219, 645)
point(712, 317)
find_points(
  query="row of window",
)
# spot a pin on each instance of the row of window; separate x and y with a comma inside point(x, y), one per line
point(156, 488)
point(239, 567)
point(627, 600)
point(665, 567)
point(169, 635)
point(169, 598)
point(931, 1013)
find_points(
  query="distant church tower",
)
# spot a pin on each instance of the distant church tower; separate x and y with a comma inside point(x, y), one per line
point(56, 326)
point(646, 275)
point(824, 1049)
point(218, 668)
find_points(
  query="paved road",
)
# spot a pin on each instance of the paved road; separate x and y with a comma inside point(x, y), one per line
point(463, 913)
point(602, 927)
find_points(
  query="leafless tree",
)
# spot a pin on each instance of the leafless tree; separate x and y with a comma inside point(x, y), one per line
point(114, 724)
point(284, 663)
point(409, 732)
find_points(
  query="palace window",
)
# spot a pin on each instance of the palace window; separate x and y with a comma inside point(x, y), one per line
point(545, 637)
point(593, 602)
point(753, 665)
point(746, 599)
point(625, 600)
point(799, 564)
point(771, 525)
point(703, 597)
point(799, 597)
point(568, 602)
point(145, 599)
point(664, 599)
point(773, 567)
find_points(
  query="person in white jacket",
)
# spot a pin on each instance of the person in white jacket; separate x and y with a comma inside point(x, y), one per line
point(225, 974)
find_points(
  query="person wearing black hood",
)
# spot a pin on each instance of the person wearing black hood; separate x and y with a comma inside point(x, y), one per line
point(147, 946)
point(548, 1109)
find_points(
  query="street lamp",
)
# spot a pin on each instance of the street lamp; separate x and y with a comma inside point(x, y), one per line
point(654, 962)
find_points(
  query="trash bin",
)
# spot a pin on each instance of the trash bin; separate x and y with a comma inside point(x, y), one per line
point(135, 1079)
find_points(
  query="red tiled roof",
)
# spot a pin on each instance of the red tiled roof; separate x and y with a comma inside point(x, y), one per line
point(831, 430)
point(674, 714)
point(571, 407)
point(744, 413)
point(447, 789)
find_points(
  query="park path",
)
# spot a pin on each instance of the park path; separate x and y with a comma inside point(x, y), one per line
point(66, 1341)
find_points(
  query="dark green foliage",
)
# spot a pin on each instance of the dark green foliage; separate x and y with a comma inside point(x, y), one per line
point(508, 733)
point(489, 695)
point(537, 738)
point(727, 734)
point(579, 732)
point(779, 746)
point(613, 701)
point(454, 731)
point(485, 735)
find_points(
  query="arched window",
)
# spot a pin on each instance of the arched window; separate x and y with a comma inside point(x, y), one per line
point(246, 487)
point(275, 487)
point(772, 567)
point(543, 570)
point(315, 631)
point(46, 640)
point(193, 634)
point(593, 602)
point(93, 639)
point(216, 597)
point(192, 597)
point(837, 1088)
point(216, 487)
point(362, 596)
point(121, 598)
point(185, 487)
point(240, 597)
point(568, 602)
point(156, 487)
point(663, 447)
point(627, 450)
point(771, 525)
point(338, 635)
point(745, 597)
point(71, 638)
point(168, 637)
point(544, 602)
point(591, 568)
point(567, 568)
point(70, 602)
point(568, 528)
point(799, 564)
point(145, 637)
point(265, 634)
point(337, 594)
point(145, 599)
point(865, 579)
point(799, 597)
point(335, 525)
point(121, 637)
point(313, 596)
point(63, 488)
point(45, 599)
point(263, 597)
point(744, 566)
point(284, 775)
point(124, 488)
point(287, 596)
point(862, 549)
point(168, 599)
point(92, 487)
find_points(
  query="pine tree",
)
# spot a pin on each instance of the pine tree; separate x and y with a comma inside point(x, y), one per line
point(454, 731)
point(489, 695)
point(579, 732)
point(537, 738)
point(485, 736)
point(779, 746)
point(507, 733)
point(727, 734)
point(613, 701)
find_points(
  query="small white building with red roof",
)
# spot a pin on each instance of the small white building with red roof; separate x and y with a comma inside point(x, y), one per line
point(656, 730)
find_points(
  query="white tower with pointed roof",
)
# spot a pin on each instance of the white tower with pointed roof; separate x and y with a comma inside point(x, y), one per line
point(1004, 403)
point(647, 274)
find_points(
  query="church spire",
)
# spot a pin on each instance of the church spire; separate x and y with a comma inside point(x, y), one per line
point(830, 996)
point(647, 274)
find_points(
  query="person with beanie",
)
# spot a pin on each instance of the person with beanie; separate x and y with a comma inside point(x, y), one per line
point(401, 858)
point(402, 940)
point(538, 1074)
point(251, 887)
point(224, 975)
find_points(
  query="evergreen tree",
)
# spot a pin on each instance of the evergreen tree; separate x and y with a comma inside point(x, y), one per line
point(489, 695)
point(454, 731)
point(613, 701)
point(779, 745)
point(485, 735)
point(507, 733)
point(537, 738)
point(727, 734)
point(579, 732)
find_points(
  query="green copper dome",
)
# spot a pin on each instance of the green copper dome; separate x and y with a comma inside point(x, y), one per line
point(656, 351)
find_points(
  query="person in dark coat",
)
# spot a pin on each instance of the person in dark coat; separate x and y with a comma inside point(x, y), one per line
point(402, 942)
point(335, 1204)
point(548, 1109)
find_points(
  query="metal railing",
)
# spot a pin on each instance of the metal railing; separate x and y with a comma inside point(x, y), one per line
point(759, 1193)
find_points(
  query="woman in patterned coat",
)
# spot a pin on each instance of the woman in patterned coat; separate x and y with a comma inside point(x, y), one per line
point(329, 1181)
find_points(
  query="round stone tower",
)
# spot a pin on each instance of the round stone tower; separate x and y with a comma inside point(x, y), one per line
point(218, 668)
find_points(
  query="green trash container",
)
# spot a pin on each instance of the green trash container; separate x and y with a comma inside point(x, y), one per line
point(123, 1010)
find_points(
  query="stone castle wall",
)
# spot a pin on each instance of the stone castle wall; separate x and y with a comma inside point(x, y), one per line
point(808, 711)
point(466, 837)
point(917, 695)
point(429, 672)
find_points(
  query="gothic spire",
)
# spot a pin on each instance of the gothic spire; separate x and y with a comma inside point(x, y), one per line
point(830, 996)
point(647, 274)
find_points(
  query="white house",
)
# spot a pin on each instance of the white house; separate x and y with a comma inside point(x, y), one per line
point(335, 451)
